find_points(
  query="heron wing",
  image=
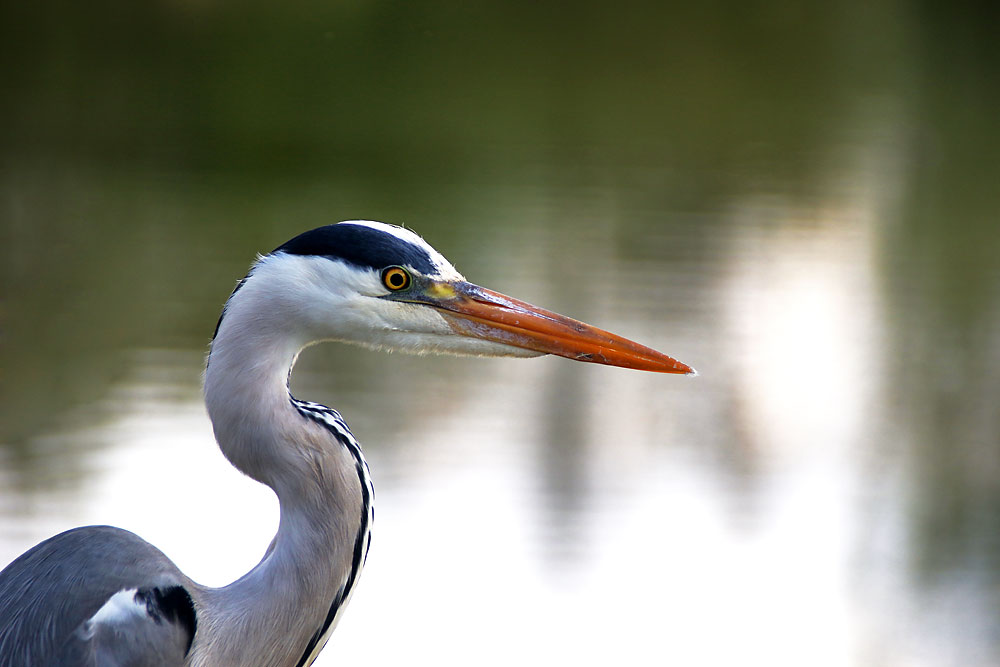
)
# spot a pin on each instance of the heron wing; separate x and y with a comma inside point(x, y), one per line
point(94, 596)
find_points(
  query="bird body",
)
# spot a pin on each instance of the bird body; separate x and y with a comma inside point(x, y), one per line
point(50, 624)
point(103, 596)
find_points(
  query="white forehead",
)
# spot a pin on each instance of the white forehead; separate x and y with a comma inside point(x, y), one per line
point(443, 266)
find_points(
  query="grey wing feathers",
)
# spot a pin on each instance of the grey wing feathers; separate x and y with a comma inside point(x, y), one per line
point(94, 596)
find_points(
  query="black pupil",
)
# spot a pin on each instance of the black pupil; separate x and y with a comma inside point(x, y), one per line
point(397, 279)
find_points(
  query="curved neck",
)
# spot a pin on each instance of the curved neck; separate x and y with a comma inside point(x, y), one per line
point(271, 614)
point(246, 393)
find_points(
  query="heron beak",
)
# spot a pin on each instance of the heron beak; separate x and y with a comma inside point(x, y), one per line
point(481, 313)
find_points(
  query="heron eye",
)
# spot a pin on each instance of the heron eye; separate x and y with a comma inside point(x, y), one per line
point(396, 278)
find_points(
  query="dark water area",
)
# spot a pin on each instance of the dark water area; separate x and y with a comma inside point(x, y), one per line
point(801, 202)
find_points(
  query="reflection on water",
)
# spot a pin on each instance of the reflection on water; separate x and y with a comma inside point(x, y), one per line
point(816, 234)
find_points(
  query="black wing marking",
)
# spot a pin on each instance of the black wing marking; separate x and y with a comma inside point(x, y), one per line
point(142, 627)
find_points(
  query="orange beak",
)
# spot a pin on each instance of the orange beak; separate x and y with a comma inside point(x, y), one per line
point(481, 313)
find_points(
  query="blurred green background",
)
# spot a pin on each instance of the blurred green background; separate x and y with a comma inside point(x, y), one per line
point(802, 201)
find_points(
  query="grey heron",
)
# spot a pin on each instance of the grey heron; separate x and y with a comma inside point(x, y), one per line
point(100, 595)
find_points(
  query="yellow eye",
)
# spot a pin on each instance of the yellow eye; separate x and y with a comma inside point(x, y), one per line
point(396, 278)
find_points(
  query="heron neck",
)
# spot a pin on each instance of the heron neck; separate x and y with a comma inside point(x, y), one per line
point(306, 571)
point(246, 393)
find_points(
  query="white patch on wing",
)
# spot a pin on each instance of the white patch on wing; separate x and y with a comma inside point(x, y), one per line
point(119, 608)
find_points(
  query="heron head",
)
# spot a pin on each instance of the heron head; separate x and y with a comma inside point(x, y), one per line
point(384, 287)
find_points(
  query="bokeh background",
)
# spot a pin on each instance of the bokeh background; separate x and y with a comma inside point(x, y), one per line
point(802, 200)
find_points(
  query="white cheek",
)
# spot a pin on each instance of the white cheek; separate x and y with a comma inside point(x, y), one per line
point(401, 325)
point(300, 300)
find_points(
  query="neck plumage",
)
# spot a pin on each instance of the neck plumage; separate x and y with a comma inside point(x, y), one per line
point(282, 611)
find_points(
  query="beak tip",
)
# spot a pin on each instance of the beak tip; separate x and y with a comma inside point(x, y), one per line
point(679, 368)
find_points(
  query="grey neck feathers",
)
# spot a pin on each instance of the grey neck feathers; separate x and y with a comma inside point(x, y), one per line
point(314, 476)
